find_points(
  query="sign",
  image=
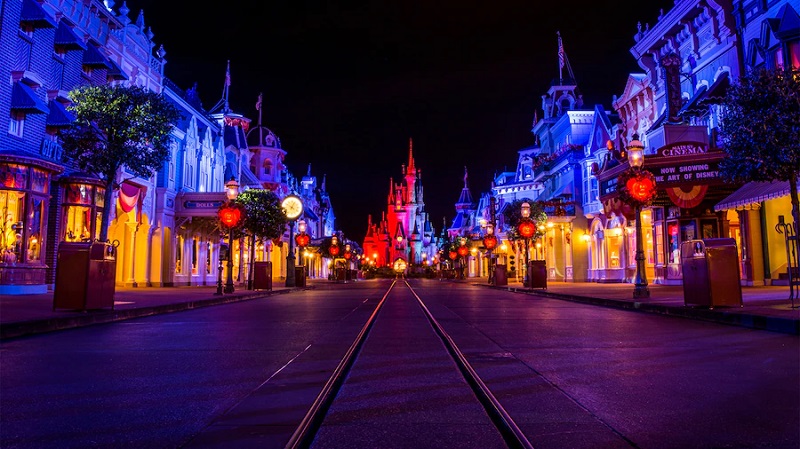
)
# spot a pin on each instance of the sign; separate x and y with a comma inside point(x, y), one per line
point(686, 173)
point(202, 204)
point(683, 149)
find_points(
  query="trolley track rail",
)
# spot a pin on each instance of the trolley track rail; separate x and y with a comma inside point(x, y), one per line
point(305, 433)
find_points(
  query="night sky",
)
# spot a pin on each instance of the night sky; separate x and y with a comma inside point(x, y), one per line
point(346, 85)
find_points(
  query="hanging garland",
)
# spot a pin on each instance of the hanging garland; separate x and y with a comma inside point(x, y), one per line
point(636, 188)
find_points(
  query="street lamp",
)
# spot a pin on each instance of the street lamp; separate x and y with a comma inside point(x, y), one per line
point(230, 217)
point(636, 161)
point(526, 229)
point(292, 206)
point(462, 251)
point(302, 240)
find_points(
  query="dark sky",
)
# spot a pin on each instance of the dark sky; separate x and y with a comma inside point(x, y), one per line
point(346, 84)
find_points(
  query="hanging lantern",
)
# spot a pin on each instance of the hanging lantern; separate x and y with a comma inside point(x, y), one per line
point(334, 250)
point(348, 255)
point(490, 242)
point(302, 240)
point(641, 188)
point(229, 215)
point(526, 228)
point(463, 250)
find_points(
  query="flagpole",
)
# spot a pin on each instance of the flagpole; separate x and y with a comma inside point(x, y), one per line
point(560, 59)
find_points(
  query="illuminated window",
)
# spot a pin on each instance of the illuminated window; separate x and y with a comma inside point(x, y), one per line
point(11, 207)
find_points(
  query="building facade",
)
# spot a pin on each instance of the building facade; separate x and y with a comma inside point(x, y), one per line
point(164, 226)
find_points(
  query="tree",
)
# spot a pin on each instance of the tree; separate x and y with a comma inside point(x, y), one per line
point(760, 130)
point(264, 217)
point(118, 126)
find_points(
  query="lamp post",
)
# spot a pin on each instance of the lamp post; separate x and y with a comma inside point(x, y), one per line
point(462, 251)
point(231, 191)
point(292, 206)
point(636, 161)
point(526, 229)
point(302, 240)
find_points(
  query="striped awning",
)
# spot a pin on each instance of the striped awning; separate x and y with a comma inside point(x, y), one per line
point(59, 116)
point(23, 98)
point(92, 57)
point(754, 193)
point(67, 38)
point(35, 15)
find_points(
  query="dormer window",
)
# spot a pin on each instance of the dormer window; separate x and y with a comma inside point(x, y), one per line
point(267, 167)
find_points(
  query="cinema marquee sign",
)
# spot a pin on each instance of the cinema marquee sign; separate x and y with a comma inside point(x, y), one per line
point(683, 149)
point(684, 170)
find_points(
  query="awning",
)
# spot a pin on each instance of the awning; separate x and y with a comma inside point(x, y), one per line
point(693, 105)
point(717, 92)
point(115, 72)
point(23, 98)
point(92, 57)
point(754, 193)
point(34, 15)
point(67, 38)
point(59, 115)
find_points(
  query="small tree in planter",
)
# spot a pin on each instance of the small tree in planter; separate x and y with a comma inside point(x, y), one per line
point(264, 219)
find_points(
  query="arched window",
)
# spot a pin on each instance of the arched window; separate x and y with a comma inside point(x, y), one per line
point(267, 167)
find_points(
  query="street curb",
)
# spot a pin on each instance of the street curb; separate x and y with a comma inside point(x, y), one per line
point(92, 317)
point(773, 324)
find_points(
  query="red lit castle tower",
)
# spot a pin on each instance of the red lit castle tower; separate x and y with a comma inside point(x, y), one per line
point(404, 235)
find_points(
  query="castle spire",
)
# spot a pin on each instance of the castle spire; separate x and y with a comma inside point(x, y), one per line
point(410, 155)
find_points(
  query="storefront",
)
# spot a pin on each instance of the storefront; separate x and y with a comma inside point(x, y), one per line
point(689, 185)
point(24, 204)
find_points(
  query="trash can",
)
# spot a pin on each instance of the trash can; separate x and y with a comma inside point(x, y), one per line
point(84, 276)
point(500, 276)
point(262, 276)
point(300, 276)
point(711, 276)
point(537, 274)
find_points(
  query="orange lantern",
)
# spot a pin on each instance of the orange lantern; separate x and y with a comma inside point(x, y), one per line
point(334, 250)
point(490, 242)
point(302, 240)
point(229, 216)
point(348, 255)
point(453, 255)
point(463, 251)
point(641, 188)
point(526, 228)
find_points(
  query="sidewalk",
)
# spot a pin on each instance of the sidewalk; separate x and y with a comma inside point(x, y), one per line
point(766, 308)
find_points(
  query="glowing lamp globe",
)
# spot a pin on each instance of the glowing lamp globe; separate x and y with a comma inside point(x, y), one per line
point(526, 228)
point(230, 216)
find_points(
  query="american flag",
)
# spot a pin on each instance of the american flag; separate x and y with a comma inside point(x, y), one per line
point(562, 57)
point(258, 104)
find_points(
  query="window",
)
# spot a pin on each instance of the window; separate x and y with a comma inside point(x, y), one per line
point(11, 206)
point(267, 167)
point(17, 123)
